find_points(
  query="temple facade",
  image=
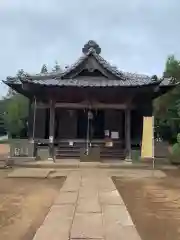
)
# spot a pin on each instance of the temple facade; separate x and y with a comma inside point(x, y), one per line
point(90, 104)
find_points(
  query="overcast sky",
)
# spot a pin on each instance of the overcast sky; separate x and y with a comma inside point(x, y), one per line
point(134, 35)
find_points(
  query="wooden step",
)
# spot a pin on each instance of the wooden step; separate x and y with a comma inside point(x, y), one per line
point(64, 150)
point(69, 153)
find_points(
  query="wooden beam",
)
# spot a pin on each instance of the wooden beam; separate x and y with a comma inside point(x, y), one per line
point(30, 119)
point(87, 105)
point(128, 133)
point(92, 106)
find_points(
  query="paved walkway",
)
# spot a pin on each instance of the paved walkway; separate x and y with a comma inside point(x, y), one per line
point(88, 207)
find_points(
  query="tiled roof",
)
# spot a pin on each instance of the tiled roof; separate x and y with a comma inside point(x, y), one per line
point(58, 78)
point(13, 80)
point(92, 83)
point(131, 80)
point(166, 82)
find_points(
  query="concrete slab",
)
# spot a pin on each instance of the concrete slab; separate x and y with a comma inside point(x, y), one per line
point(106, 185)
point(30, 173)
point(72, 183)
point(60, 212)
point(121, 233)
point(53, 232)
point(68, 187)
point(87, 226)
point(89, 164)
point(58, 173)
point(74, 174)
point(66, 198)
point(88, 205)
point(110, 198)
point(85, 192)
point(57, 223)
point(92, 181)
point(116, 215)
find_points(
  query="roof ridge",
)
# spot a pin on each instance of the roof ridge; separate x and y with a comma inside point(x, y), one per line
point(100, 59)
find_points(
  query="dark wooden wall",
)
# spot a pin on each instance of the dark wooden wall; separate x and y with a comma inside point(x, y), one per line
point(114, 121)
point(40, 123)
point(136, 126)
point(66, 123)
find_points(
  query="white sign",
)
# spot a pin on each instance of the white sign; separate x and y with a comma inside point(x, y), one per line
point(50, 139)
point(109, 144)
point(115, 135)
point(71, 143)
point(106, 133)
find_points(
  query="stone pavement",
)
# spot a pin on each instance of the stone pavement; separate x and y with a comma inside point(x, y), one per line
point(88, 207)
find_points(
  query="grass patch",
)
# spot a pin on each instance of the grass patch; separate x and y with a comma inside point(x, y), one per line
point(5, 141)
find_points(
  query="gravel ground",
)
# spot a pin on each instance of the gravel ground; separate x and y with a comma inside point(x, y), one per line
point(24, 204)
point(154, 205)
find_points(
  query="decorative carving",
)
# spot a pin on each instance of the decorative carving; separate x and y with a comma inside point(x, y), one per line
point(91, 45)
point(154, 78)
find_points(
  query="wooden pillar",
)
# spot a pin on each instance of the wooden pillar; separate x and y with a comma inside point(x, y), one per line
point(51, 130)
point(30, 120)
point(32, 124)
point(128, 133)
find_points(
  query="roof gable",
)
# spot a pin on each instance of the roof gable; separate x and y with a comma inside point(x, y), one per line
point(92, 61)
point(90, 66)
point(91, 73)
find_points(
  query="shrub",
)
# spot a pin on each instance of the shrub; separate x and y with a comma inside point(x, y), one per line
point(175, 153)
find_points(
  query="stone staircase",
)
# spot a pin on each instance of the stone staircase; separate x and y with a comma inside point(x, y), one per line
point(71, 149)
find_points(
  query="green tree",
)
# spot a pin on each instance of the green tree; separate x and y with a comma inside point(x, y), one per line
point(15, 116)
point(2, 111)
point(20, 73)
point(167, 107)
point(56, 67)
point(172, 68)
point(14, 108)
point(44, 68)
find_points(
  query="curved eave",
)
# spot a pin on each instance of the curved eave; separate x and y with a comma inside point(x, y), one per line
point(155, 87)
point(163, 89)
point(93, 83)
point(18, 87)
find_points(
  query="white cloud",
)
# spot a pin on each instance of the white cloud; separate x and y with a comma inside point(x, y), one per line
point(135, 35)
